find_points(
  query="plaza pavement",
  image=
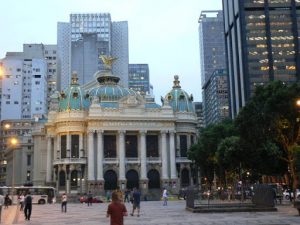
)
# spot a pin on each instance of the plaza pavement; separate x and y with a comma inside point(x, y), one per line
point(153, 213)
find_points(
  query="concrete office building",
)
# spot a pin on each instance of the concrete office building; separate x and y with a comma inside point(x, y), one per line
point(138, 79)
point(216, 98)
point(262, 45)
point(81, 41)
point(212, 57)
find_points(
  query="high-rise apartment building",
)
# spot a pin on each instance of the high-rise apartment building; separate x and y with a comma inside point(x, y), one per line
point(29, 78)
point(81, 42)
point(216, 98)
point(262, 43)
point(138, 78)
point(212, 59)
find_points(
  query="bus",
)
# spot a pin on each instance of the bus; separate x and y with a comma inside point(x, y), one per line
point(40, 194)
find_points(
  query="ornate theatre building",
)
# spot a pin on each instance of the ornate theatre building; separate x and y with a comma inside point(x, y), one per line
point(108, 136)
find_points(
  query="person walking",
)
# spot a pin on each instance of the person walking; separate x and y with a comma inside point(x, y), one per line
point(90, 198)
point(136, 198)
point(27, 206)
point(6, 201)
point(22, 198)
point(64, 201)
point(165, 197)
point(127, 195)
point(116, 210)
point(1, 204)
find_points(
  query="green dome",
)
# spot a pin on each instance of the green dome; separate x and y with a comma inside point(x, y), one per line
point(73, 98)
point(108, 89)
point(178, 99)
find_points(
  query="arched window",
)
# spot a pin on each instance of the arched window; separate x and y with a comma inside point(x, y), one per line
point(111, 180)
point(62, 178)
point(74, 176)
point(154, 179)
point(132, 179)
point(185, 177)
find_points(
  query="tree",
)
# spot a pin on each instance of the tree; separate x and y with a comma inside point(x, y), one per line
point(268, 125)
point(203, 153)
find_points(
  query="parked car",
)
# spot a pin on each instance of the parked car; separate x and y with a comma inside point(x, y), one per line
point(96, 199)
point(286, 194)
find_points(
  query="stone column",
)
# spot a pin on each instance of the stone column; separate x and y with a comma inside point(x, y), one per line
point(81, 153)
point(178, 144)
point(189, 142)
point(100, 155)
point(68, 145)
point(143, 156)
point(121, 157)
point(172, 156)
point(49, 160)
point(164, 155)
point(58, 154)
point(91, 172)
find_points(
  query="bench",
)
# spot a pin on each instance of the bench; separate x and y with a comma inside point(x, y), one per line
point(297, 206)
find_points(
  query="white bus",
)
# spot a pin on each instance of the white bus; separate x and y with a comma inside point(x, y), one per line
point(40, 194)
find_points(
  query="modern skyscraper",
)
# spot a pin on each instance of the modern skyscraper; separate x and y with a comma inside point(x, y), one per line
point(139, 78)
point(212, 43)
point(262, 43)
point(212, 59)
point(216, 98)
point(87, 36)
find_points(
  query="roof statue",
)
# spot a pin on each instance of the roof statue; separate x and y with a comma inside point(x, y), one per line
point(107, 60)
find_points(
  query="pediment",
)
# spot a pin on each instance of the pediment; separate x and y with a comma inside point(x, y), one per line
point(131, 101)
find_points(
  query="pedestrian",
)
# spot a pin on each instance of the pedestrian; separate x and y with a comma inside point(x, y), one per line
point(136, 197)
point(127, 195)
point(22, 197)
point(120, 194)
point(1, 204)
point(27, 206)
point(90, 198)
point(64, 201)
point(116, 210)
point(165, 197)
point(6, 201)
point(108, 196)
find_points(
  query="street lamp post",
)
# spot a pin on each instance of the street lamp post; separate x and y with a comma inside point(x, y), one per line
point(12, 143)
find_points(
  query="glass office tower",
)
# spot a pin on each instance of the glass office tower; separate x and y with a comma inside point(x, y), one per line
point(262, 44)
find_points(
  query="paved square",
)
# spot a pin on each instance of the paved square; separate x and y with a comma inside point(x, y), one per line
point(154, 213)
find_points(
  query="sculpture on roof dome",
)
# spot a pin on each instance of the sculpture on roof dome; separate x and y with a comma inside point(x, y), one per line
point(107, 60)
point(74, 78)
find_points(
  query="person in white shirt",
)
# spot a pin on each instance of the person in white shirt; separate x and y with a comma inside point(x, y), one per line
point(64, 203)
point(22, 197)
point(165, 197)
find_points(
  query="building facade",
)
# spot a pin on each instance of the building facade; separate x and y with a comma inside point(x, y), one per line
point(111, 136)
point(262, 45)
point(138, 79)
point(216, 98)
point(87, 36)
point(16, 161)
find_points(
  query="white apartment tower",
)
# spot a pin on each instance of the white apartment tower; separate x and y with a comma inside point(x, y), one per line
point(81, 41)
point(29, 78)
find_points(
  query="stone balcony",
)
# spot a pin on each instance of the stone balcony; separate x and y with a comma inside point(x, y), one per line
point(70, 161)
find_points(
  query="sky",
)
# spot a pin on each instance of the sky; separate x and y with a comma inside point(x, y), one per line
point(162, 33)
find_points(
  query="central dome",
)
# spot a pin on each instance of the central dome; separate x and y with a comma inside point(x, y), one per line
point(108, 89)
